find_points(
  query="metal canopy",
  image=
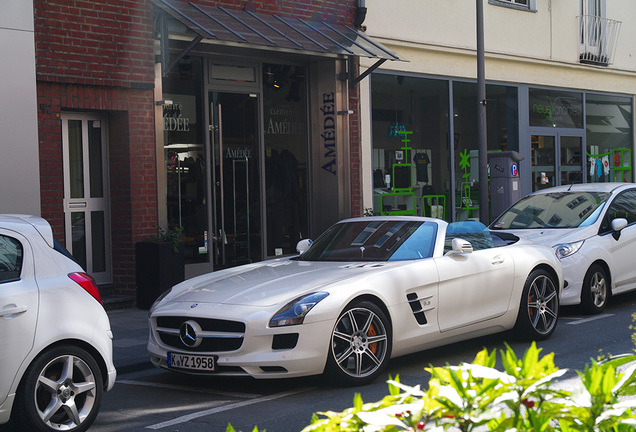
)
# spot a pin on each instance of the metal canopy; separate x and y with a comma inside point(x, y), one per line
point(248, 29)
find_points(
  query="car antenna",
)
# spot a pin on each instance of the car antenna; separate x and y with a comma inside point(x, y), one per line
point(578, 176)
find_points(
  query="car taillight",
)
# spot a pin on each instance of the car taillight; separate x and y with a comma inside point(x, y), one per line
point(88, 283)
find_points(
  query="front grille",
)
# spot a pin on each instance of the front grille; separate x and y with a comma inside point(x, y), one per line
point(216, 335)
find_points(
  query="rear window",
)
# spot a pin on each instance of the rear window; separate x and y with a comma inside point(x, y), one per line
point(10, 259)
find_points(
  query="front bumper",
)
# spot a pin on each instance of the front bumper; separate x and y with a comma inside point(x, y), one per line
point(256, 356)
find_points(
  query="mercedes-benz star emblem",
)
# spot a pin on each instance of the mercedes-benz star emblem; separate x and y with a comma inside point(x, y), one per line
point(188, 333)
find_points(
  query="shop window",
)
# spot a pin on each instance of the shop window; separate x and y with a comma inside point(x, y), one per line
point(285, 123)
point(411, 159)
point(184, 156)
point(502, 127)
point(609, 133)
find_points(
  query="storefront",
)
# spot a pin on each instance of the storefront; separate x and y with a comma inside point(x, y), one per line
point(255, 134)
point(421, 167)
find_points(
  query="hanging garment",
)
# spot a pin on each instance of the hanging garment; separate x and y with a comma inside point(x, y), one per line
point(592, 166)
point(599, 168)
point(606, 167)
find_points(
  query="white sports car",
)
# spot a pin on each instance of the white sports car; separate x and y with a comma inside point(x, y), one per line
point(367, 290)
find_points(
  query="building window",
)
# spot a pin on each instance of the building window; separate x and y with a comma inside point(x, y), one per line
point(609, 129)
point(517, 4)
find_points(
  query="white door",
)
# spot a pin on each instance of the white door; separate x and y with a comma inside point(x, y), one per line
point(18, 305)
point(623, 248)
point(86, 197)
point(474, 287)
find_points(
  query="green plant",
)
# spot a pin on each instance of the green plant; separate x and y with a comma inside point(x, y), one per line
point(169, 234)
point(476, 396)
point(522, 398)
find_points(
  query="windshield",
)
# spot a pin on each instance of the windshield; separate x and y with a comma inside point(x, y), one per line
point(374, 240)
point(553, 210)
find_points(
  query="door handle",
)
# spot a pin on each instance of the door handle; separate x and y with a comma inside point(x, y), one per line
point(12, 310)
point(498, 260)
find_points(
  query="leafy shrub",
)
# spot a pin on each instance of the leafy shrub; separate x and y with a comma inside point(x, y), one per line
point(477, 397)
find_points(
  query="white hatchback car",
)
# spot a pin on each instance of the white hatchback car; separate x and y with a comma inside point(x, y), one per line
point(56, 352)
point(592, 228)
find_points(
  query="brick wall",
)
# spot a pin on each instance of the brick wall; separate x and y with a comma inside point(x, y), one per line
point(97, 56)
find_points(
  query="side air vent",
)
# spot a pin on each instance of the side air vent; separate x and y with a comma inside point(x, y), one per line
point(416, 306)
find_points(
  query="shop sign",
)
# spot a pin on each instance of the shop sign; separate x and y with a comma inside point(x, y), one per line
point(177, 116)
point(239, 153)
point(328, 135)
point(556, 109)
point(284, 126)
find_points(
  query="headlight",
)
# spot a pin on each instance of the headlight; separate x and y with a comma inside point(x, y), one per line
point(154, 305)
point(294, 312)
point(566, 249)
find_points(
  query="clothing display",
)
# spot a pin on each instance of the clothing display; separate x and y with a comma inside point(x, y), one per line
point(421, 161)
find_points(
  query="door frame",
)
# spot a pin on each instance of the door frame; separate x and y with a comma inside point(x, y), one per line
point(559, 133)
point(73, 204)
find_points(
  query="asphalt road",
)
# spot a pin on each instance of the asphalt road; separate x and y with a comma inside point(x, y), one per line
point(153, 399)
point(164, 401)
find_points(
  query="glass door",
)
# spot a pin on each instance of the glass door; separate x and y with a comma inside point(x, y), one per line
point(86, 202)
point(556, 160)
point(236, 179)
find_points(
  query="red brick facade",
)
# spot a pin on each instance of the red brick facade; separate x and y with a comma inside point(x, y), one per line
point(97, 56)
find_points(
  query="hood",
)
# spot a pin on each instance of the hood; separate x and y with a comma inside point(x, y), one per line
point(266, 283)
point(554, 236)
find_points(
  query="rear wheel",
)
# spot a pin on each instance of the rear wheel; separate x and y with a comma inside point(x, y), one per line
point(539, 308)
point(360, 344)
point(61, 390)
point(595, 290)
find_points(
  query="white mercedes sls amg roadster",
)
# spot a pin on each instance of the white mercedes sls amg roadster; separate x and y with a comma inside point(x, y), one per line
point(366, 290)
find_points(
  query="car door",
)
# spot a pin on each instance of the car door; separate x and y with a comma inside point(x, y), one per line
point(474, 287)
point(18, 306)
point(623, 249)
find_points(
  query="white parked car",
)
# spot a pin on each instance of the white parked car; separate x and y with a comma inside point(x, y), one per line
point(592, 228)
point(366, 290)
point(56, 352)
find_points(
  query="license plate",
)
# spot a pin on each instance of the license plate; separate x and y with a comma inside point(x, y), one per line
point(191, 362)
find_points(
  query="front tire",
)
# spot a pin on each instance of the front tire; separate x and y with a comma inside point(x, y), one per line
point(539, 308)
point(360, 346)
point(61, 390)
point(595, 290)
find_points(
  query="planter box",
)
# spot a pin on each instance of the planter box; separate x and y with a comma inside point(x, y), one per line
point(158, 268)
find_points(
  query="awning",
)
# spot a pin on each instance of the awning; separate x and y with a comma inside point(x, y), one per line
point(248, 29)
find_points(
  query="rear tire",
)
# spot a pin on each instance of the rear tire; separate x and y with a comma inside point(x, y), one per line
point(61, 390)
point(595, 291)
point(539, 308)
point(360, 346)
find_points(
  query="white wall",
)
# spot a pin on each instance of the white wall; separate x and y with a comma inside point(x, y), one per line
point(19, 159)
point(438, 37)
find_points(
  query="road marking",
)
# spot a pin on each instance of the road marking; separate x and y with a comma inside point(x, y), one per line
point(190, 389)
point(594, 318)
point(196, 415)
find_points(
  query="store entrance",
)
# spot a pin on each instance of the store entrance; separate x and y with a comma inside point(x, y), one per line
point(236, 178)
point(557, 159)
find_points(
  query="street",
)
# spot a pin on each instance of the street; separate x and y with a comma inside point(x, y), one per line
point(159, 400)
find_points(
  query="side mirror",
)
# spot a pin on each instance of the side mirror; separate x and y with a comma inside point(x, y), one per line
point(618, 224)
point(460, 246)
point(303, 245)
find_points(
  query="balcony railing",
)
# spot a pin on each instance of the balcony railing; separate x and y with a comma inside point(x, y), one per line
point(598, 39)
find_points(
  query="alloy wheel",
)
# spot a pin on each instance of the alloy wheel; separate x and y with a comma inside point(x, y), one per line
point(359, 342)
point(543, 304)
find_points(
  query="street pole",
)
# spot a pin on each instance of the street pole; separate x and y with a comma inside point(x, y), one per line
point(481, 119)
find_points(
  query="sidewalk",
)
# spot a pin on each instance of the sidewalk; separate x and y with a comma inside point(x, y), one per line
point(130, 336)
